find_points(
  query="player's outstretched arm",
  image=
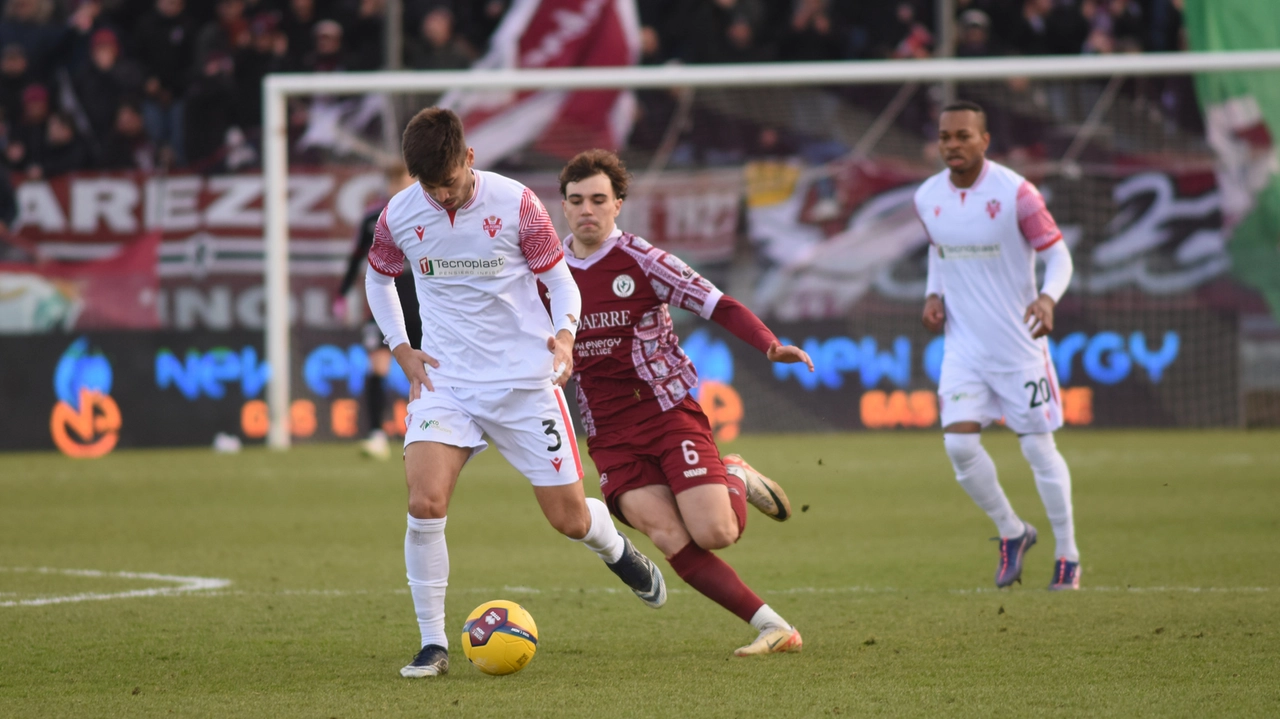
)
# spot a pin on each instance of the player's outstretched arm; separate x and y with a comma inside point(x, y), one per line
point(743, 323)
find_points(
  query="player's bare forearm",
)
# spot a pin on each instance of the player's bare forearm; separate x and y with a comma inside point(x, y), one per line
point(414, 363)
point(935, 314)
point(561, 347)
point(1039, 316)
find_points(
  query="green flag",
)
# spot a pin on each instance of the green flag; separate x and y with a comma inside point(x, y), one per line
point(1242, 120)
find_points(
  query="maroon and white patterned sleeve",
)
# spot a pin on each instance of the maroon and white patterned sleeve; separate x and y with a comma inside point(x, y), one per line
point(674, 281)
point(1034, 220)
point(538, 241)
point(385, 256)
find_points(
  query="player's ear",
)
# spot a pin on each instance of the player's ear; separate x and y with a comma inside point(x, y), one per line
point(471, 156)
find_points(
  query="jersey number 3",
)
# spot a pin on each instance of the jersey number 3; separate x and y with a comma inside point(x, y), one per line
point(550, 431)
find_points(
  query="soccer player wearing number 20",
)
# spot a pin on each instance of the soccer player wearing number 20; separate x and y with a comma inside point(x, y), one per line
point(986, 225)
point(491, 362)
point(660, 470)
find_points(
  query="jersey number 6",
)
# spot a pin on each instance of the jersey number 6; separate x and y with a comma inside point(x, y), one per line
point(690, 454)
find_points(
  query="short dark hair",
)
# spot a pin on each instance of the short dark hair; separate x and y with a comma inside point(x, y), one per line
point(596, 162)
point(970, 106)
point(433, 145)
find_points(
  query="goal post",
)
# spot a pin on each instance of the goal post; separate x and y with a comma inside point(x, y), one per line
point(279, 88)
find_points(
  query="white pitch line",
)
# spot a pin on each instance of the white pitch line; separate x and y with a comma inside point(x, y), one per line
point(184, 585)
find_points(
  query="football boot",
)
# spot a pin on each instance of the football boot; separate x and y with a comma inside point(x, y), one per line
point(1066, 575)
point(432, 661)
point(773, 640)
point(762, 493)
point(1009, 570)
point(640, 573)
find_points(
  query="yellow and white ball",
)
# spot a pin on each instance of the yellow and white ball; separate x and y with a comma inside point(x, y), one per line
point(499, 637)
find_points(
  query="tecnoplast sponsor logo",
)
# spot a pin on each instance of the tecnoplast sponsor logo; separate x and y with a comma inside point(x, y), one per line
point(968, 252)
point(438, 267)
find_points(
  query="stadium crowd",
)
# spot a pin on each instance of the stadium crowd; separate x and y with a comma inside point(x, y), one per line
point(149, 84)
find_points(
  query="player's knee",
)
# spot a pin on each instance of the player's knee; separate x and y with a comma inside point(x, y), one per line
point(426, 507)
point(573, 526)
point(715, 535)
point(1039, 449)
point(962, 448)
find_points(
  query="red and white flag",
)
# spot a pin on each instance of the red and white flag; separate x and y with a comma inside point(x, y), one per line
point(548, 34)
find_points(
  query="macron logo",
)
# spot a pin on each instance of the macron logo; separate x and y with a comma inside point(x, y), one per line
point(418, 231)
point(556, 463)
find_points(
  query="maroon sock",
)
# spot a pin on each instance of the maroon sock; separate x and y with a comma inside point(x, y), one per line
point(738, 500)
point(712, 576)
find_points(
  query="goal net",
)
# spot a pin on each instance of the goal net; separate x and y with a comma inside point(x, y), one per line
point(790, 187)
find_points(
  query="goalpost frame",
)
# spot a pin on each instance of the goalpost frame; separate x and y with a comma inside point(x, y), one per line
point(278, 88)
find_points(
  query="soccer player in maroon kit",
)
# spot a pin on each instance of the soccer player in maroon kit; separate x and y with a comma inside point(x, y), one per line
point(660, 470)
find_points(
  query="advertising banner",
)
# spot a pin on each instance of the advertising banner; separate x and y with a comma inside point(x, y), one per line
point(86, 394)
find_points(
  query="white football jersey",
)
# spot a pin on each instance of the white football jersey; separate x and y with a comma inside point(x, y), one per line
point(474, 270)
point(985, 238)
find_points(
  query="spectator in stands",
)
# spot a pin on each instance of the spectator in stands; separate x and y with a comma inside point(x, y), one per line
point(478, 19)
point(1030, 32)
point(298, 26)
point(14, 78)
point(438, 47)
point(30, 23)
point(226, 35)
point(211, 111)
point(127, 146)
point(364, 35)
point(1068, 28)
point(164, 46)
point(328, 55)
point(813, 35)
point(266, 53)
point(910, 39)
point(63, 150)
point(27, 136)
point(974, 36)
point(103, 82)
point(729, 31)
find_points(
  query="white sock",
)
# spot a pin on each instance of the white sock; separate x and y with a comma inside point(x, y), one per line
point(602, 537)
point(766, 618)
point(977, 474)
point(1053, 479)
point(426, 562)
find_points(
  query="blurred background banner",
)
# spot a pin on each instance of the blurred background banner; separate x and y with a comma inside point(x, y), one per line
point(551, 34)
point(1242, 119)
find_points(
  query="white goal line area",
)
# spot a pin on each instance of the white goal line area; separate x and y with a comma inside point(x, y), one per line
point(278, 88)
point(210, 587)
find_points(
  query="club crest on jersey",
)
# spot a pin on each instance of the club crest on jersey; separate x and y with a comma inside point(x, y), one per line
point(624, 286)
point(418, 231)
point(993, 208)
point(492, 224)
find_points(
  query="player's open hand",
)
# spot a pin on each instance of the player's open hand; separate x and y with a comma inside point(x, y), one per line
point(414, 363)
point(1039, 316)
point(561, 349)
point(788, 354)
point(935, 314)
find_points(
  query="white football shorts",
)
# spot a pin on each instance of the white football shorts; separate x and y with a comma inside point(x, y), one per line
point(531, 428)
point(1029, 401)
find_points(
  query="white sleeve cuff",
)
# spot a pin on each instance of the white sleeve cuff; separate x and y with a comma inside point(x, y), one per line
point(566, 299)
point(1058, 268)
point(385, 305)
point(933, 283)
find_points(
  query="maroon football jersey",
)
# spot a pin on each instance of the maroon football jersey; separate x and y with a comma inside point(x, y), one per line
point(627, 361)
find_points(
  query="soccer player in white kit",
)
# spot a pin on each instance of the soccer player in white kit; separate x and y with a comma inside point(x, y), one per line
point(986, 225)
point(491, 362)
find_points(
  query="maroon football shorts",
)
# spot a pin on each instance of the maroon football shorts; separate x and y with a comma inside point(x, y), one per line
point(675, 448)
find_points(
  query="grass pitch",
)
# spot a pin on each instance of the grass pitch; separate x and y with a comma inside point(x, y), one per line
point(888, 575)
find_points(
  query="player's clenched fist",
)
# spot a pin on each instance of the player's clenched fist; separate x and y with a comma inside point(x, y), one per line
point(561, 348)
point(414, 363)
point(935, 314)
